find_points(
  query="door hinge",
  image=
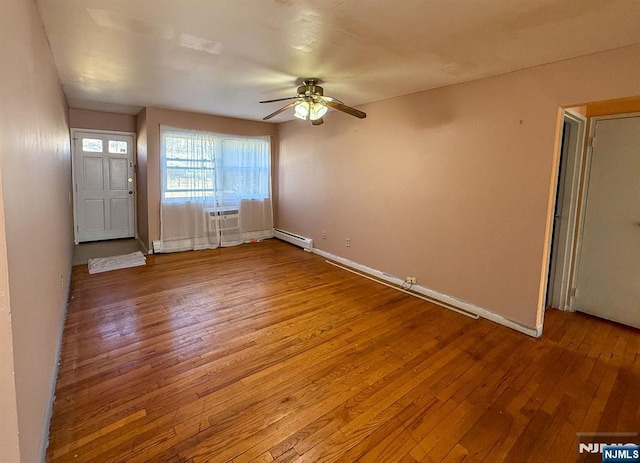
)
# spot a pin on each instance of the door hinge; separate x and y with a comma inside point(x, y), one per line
point(76, 185)
point(574, 291)
point(592, 141)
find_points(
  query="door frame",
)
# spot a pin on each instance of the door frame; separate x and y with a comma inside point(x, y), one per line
point(583, 196)
point(74, 184)
point(566, 264)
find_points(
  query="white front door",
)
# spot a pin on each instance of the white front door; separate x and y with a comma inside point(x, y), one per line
point(104, 199)
point(608, 280)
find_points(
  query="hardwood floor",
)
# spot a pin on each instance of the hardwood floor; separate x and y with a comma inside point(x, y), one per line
point(264, 353)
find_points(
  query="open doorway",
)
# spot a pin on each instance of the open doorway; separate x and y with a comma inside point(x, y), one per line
point(559, 288)
point(571, 283)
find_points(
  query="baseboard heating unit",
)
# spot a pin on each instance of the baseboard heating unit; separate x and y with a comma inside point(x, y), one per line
point(297, 240)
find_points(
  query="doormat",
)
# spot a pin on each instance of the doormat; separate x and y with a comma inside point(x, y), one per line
point(106, 264)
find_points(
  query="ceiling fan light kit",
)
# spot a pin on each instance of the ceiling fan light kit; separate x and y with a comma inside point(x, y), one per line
point(311, 105)
point(309, 110)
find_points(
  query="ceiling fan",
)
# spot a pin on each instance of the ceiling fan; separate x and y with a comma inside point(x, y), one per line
point(311, 105)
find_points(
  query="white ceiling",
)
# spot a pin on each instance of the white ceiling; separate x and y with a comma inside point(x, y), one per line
point(223, 56)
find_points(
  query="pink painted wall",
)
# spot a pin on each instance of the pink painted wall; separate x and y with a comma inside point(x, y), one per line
point(37, 222)
point(142, 200)
point(98, 120)
point(153, 119)
point(451, 185)
point(9, 444)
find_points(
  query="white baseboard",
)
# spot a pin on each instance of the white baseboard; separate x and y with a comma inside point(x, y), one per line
point(450, 300)
point(44, 443)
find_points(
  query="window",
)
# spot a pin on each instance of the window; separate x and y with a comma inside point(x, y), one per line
point(189, 167)
point(92, 145)
point(117, 147)
point(220, 169)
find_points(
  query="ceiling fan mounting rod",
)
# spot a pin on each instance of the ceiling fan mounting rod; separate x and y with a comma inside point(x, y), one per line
point(310, 87)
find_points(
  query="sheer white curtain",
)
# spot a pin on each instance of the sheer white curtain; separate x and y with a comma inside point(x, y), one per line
point(216, 190)
point(246, 180)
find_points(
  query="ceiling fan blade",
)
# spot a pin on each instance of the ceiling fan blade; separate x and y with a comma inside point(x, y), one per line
point(275, 113)
point(279, 99)
point(318, 121)
point(345, 109)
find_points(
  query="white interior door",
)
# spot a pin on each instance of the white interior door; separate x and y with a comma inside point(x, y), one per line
point(104, 189)
point(608, 280)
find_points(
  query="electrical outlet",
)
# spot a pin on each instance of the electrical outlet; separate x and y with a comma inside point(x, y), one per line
point(324, 234)
point(347, 242)
point(410, 280)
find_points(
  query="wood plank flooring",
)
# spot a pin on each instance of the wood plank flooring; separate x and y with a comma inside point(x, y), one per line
point(265, 353)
